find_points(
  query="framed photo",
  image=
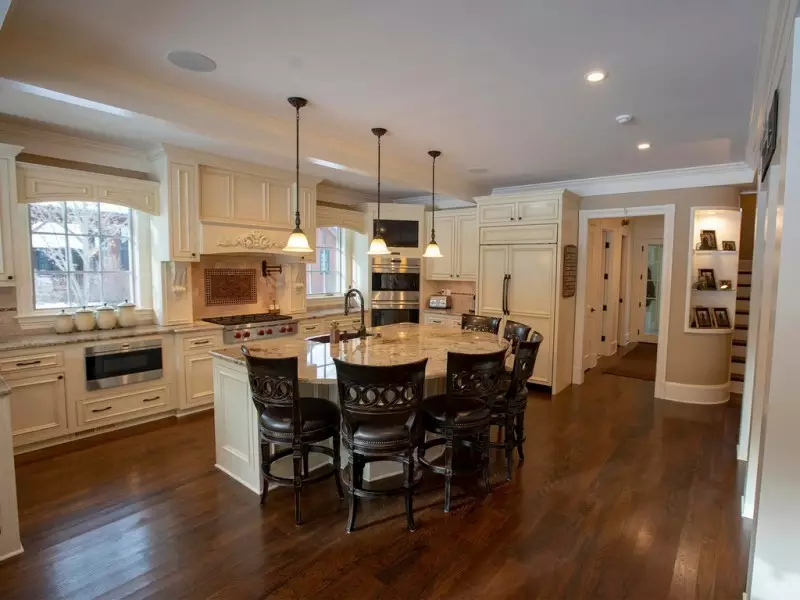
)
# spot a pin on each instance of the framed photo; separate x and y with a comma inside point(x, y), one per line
point(721, 318)
point(707, 276)
point(708, 239)
point(730, 246)
point(769, 138)
point(724, 284)
point(702, 316)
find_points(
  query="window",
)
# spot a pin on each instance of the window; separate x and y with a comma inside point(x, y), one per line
point(326, 277)
point(81, 254)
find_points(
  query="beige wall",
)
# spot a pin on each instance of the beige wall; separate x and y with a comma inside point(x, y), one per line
point(691, 358)
point(748, 231)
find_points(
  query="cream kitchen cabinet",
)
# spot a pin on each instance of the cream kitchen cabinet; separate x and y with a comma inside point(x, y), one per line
point(446, 320)
point(522, 239)
point(38, 408)
point(174, 231)
point(8, 198)
point(457, 236)
point(195, 380)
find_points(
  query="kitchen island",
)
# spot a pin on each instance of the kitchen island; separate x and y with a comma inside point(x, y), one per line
point(238, 452)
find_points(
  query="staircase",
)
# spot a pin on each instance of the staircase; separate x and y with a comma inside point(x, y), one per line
point(740, 325)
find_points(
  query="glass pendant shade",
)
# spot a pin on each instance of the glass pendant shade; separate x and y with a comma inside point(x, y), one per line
point(433, 251)
point(378, 247)
point(298, 243)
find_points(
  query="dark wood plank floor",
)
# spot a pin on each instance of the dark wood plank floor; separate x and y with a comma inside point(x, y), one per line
point(621, 497)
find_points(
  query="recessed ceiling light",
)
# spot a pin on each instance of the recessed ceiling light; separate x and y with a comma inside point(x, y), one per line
point(192, 61)
point(595, 76)
point(644, 146)
point(623, 119)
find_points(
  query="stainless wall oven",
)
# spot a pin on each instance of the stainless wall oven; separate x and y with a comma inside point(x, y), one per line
point(395, 290)
point(113, 365)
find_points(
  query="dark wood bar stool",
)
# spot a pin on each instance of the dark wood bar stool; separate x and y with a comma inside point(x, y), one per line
point(515, 333)
point(286, 418)
point(380, 421)
point(463, 414)
point(508, 410)
point(480, 323)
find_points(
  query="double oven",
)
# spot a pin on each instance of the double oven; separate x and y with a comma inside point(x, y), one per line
point(395, 290)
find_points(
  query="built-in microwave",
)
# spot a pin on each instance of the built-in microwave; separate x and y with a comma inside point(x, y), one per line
point(398, 233)
point(113, 365)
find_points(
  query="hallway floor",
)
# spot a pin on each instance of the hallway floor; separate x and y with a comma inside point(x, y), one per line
point(621, 497)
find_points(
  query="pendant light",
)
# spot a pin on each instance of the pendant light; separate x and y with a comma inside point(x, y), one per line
point(298, 242)
point(433, 251)
point(378, 245)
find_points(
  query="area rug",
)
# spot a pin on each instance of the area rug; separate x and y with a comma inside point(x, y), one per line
point(639, 363)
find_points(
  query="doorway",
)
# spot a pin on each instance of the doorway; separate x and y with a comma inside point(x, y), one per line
point(656, 225)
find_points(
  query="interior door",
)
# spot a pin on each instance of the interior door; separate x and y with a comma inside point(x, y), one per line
point(591, 329)
point(653, 256)
point(493, 261)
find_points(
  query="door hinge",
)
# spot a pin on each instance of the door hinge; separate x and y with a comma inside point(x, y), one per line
point(605, 308)
point(602, 338)
point(608, 245)
point(605, 275)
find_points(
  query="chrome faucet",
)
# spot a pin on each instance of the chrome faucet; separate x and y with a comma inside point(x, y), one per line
point(362, 331)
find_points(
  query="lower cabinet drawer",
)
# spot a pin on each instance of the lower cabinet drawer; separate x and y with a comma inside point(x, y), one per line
point(315, 327)
point(122, 406)
point(202, 342)
point(31, 362)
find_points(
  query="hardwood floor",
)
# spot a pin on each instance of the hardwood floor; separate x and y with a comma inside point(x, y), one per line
point(621, 497)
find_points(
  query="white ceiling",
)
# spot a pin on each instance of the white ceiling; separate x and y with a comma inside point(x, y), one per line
point(495, 85)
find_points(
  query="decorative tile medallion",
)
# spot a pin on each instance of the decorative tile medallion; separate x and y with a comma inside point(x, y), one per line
point(230, 286)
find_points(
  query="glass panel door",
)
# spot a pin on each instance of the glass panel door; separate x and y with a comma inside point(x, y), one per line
point(653, 288)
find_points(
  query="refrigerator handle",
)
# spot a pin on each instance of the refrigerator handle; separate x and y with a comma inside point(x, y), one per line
point(505, 289)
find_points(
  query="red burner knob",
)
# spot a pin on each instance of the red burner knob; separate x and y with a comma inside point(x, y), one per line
point(289, 328)
point(283, 329)
point(269, 331)
point(246, 334)
point(237, 335)
point(260, 332)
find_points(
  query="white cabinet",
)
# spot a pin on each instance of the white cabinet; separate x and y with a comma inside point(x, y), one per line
point(537, 211)
point(491, 283)
point(500, 213)
point(457, 236)
point(174, 231)
point(505, 210)
point(38, 408)
point(8, 199)
point(199, 380)
point(445, 320)
point(443, 268)
point(119, 406)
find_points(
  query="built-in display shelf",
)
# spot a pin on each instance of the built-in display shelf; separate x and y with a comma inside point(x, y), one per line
point(725, 223)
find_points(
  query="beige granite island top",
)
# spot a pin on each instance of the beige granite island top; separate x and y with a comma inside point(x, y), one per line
point(391, 345)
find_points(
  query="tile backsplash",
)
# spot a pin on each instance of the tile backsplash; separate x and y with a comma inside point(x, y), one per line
point(461, 293)
point(227, 282)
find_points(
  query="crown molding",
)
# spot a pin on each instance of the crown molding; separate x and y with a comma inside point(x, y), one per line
point(775, 37)
point(442, 202)
point(67, 147)
point(651, 181)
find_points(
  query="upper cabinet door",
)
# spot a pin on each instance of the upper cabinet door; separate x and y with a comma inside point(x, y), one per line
point(443, 268)
point(466, 248)
point(184, 214)
point(500, 213)
point(533, 278)
point(535, 211)
point(280, 205)
point(216, 199)
point(493, 261)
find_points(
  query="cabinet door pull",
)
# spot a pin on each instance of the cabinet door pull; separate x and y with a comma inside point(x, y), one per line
point(203, 343)
point(153, 399)
point(97, 410)
point(28, 363)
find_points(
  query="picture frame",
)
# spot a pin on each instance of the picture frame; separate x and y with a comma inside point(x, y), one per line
point(707, 275)
point(703, 318)
point(708, 239)
point(721, 318)
point(729, 246)
point(769, 139)
point(725, 284)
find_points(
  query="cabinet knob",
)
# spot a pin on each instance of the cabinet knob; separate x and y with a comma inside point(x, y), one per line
point(519, 218)
point(10, 277)
point(61, 377)
point(511, 218)
point(193, 254)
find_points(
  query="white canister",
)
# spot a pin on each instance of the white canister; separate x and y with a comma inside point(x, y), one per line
point(63, 323)
point(126, 314)
point(106, 317)
point(84, 319)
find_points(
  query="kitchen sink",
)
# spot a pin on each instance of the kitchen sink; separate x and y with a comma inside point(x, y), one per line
point(343, 336)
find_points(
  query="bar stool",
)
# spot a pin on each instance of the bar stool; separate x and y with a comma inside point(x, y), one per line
point(463, 413)
point(286, 418)
point(508, 410)
point(515, 333)
point(380, 421)
point(480, 323)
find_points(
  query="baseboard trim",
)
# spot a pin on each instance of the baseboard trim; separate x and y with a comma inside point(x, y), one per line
point(239, 479)
point(696, 394)
point(8, 555)
point(748, 509)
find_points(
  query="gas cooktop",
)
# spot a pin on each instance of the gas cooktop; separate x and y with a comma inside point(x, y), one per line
point(243, 328)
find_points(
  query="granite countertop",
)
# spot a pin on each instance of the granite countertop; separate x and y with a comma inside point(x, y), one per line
point(395, 344)
point(41, 340)
point(321, 313)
